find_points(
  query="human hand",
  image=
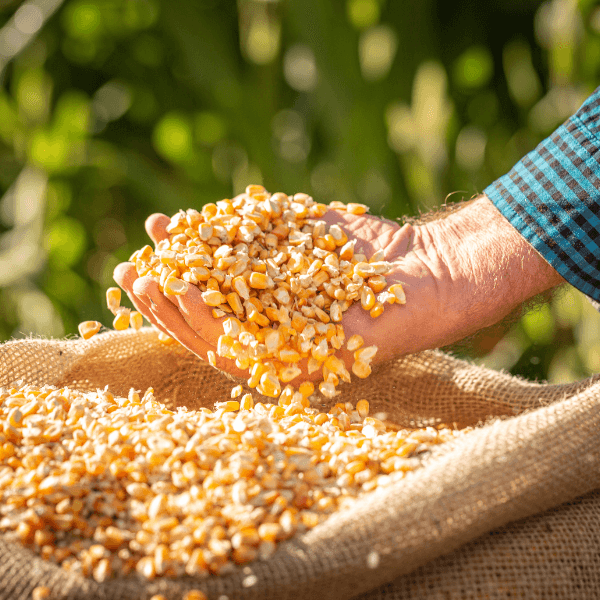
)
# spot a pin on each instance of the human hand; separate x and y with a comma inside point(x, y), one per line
point(459, 273)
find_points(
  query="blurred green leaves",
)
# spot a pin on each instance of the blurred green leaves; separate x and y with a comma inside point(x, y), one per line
point(473, 68)
point(113, 109)
point(172, 137)
point(65, 242)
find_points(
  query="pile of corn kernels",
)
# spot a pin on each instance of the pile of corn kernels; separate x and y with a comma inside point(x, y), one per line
point(281, 276)
point(109, 486)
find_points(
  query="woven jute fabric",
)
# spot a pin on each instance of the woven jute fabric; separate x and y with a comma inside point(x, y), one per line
point(506, 511)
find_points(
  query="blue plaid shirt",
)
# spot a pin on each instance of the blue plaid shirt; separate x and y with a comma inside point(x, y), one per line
point(552, 197)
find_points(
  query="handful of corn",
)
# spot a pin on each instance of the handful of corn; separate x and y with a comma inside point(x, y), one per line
point(109, 486)
point(280, 275)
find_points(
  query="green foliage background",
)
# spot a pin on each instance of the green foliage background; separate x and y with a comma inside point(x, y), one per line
point(113, 109)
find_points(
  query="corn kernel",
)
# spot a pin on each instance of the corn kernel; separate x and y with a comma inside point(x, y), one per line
point(354, 342)
point(136, 320)
point(397, 290)
point(362, 407)
point(165, 339)
point(121, 320)
point(175, 286)
point(213, 297)
point(258, 281)
point(361, 369)
point(365, 354)
point(247, 402)
point(367, 298)
point(377, 310)
point(306, 388)
point(87, 329)
point(113, 298)
point(212, 359)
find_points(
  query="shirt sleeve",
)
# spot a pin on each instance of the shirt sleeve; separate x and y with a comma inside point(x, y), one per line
point(552, 197)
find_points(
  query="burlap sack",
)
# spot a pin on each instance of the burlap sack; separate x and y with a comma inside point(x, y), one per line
point(537, 447)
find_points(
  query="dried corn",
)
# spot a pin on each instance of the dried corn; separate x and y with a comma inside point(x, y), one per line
point(108, 485)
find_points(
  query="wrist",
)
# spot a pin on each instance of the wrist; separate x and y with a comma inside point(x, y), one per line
point(490, 268)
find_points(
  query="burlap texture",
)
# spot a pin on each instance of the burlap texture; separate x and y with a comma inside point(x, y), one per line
point(421, 533)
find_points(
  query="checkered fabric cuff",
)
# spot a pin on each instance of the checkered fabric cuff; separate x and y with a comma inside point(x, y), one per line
point(552, 197)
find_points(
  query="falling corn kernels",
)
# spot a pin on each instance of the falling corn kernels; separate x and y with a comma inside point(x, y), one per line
point(276, 271)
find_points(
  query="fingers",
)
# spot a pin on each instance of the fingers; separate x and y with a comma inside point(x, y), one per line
point(156, 227)
point(168, 315)
point(198, 315)
point(125, 275)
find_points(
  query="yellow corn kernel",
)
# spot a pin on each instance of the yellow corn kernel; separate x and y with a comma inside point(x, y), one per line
point(258, 281)
point(212, 359)
point(377, 283)
point(339, 235)
point(377, 310)
point(288, 373)
point(247, 402)
point(328, 389)
point(236, 391)
point(87, 329)
point(213, 285)
point(176, 286)
point(365, 354)
point(200, 273)
point(165, 339)
point(255, 189)
point(362, 408)
point(234, 301)
point(367, 298)
point(232, 327)
point(225, 346)
point(347, 250)
point(398, 292)
point(289, 355)
point(113, 298)
point(299, 322)
point(313, 365)
point(228, 406)
point(136, 320)
point(355, 342)
point(213, 297)
point(269, 385)
point(319, 352)
point(307, 388)
point(356, 209)
point(361, 369)
point(121, 320)
point(334, 364)
point(240, 286)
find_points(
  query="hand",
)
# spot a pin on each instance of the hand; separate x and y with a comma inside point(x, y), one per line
point(460, 274)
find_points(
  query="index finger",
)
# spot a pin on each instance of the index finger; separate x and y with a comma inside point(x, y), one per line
point(156, 227)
